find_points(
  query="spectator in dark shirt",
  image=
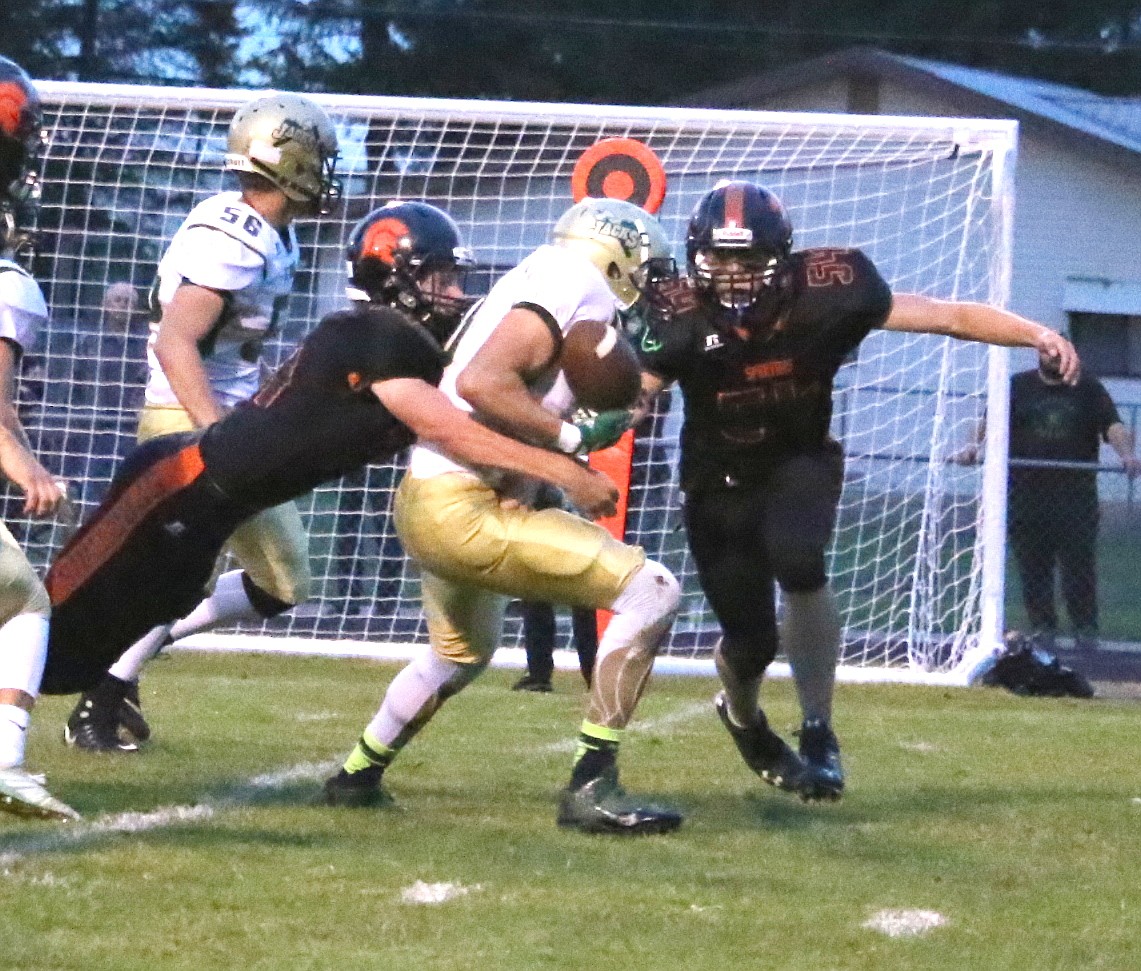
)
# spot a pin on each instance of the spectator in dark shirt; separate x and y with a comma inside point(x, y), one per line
point(1052, 511)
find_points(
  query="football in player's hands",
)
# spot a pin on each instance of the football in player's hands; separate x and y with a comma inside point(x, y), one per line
point(601, 366)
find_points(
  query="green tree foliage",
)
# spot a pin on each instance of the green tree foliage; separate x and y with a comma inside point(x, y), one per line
point(642, 51)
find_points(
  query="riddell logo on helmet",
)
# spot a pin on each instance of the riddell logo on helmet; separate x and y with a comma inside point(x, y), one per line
point(13, 101)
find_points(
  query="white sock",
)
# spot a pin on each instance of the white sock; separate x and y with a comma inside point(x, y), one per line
point(13, 733)
point(23, 653)
point(226, 605)
point(128, 667)
point(415, 695)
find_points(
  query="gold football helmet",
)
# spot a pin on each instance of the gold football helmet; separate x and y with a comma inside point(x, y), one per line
point(290, 141)
point(617, 237)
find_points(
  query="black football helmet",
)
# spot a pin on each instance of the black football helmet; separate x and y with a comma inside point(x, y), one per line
point(21, 141)
point(738, 236)
point(409, 255)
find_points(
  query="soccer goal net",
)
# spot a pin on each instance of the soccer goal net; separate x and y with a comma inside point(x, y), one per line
point(914, 561)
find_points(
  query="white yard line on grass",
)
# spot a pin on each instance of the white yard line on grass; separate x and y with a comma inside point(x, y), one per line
point(905, 923)
point(646, 726)
point(72, 835)
point(67, 836)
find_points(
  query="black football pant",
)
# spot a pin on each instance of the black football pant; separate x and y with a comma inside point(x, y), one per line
point(745, 535)
point(539, 630)
point(1045, 535)
point(144, 558)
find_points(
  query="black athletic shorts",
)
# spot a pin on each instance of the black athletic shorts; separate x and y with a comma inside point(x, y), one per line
point(144, 558)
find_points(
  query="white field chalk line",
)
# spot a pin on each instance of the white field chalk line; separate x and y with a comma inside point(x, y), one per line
point(72, 835)
point(84, 832)
point(646, 727)
point(905, 923)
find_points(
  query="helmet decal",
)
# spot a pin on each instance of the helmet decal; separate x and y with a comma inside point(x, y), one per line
point(13, 105)
point(409, 255)
point(617, 237)
point(383, 238)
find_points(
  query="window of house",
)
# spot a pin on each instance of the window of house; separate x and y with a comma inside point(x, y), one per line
point(1108, 344)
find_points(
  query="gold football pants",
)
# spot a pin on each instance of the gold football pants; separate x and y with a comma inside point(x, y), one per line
point(21, 590)
point(476, 555)
point(272, 547)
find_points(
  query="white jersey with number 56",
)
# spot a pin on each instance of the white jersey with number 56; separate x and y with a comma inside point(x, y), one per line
point(226, 246)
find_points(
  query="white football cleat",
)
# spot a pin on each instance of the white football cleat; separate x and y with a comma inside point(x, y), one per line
point(24, 795)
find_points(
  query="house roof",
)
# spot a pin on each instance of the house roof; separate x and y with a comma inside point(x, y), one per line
point(1104, 124)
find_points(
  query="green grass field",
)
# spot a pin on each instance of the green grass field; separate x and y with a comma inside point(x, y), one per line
point(1015, 820)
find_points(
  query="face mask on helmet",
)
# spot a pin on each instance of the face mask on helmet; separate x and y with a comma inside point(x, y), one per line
point(290, 141)
point(21, 142)
point(409, 255)
point(738, 236)
point(617, 237)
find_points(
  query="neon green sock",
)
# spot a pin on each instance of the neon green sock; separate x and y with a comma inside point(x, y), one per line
point(368, 753)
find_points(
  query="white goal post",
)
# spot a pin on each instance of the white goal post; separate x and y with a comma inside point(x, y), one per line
point(917, 561)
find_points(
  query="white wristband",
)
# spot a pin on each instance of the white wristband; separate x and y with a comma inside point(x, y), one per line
point(570, 438)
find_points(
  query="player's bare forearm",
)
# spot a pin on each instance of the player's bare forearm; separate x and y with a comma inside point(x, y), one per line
point(182, 365)
point(42, 492)
point(652, 386)
point(981, 322)
point(504, 402)
point(186, 320)
point(10, 422)
point(494, 382)
point(436, 421)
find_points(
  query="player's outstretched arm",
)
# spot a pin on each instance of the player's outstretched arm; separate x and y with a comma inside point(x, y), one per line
point(435, 420)
point(981, 322)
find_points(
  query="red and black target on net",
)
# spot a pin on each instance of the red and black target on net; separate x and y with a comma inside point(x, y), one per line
point(620, 168)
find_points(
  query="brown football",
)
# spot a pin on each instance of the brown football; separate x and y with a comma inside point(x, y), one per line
point(601, 366)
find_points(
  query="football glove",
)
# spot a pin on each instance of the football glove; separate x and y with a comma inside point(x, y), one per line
point(601, 429)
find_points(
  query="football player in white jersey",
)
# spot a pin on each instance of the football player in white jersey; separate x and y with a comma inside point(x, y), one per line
point(222, 286)
point(479, 544)
point(24, 605)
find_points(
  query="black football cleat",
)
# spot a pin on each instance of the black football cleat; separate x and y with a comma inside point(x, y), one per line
point(601, 805)
point(763, 750)
point(823, 779)
point(528, 683)
point(93, 725)
point(357, 790)
point(131, 718)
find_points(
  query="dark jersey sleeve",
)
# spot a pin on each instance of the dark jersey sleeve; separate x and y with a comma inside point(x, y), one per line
point(844, 288)
point(397, 348)
point(673, 323)
point(1105, 409)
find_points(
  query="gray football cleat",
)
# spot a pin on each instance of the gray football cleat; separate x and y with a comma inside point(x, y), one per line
point(601, 805)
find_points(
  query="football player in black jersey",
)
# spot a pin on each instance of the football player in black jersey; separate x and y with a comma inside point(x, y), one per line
point(753, 334)
point(361, 387)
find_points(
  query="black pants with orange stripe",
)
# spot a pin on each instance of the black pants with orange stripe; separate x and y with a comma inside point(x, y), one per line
point(144, 558)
